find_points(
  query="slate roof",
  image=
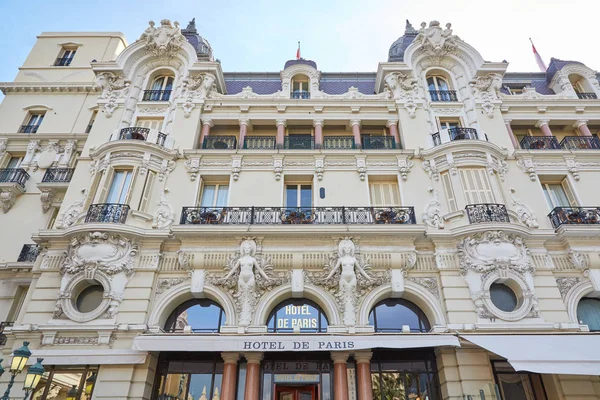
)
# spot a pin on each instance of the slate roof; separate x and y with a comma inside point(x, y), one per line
point(556, 65)
point(536, 80)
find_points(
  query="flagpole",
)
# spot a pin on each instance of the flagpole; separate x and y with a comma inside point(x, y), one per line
point(538, 58)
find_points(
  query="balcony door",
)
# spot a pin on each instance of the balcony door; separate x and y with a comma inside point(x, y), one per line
point(120, 187)
point(476, 186)
point(296, 393)
point(558, 194)
point(214, 196)
point(298, 196)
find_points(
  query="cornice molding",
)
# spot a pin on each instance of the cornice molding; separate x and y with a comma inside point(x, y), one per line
point(39, 87)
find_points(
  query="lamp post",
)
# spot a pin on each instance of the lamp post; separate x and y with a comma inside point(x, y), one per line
point(72, 395)
point(34, 374)
point(89, 384)
point(19, 360)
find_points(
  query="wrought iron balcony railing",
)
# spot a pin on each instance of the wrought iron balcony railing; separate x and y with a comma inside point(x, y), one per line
point(58, 175)
point(378, 142)
point(63, 61)
point(156, 95)
point(479, 213)
point(3, 337)
point(456, 134)
point(338, 142)
point(14, 175)
point(574, 216)
point(299, 142)
point(300, 94)
point(29, 128)
point(220, 143)
point(587, 96)
point(134, 133)
point(107, 212)
point(29, 253)
point(580, 142)
point(443, 95)
point(540, 143)
point(298, 215)
point(259, 142)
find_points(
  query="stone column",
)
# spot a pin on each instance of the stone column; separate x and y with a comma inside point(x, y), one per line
point(281, 124)
point(229, 375)
point(340, 375)
point(583, 128)
point(393, 127)
point(543, 125)
point(252, 389)
point(355, 123)
point(363, 372)
point(207, 123)
point(511, 134)
point(318, 124)
point(243, 129)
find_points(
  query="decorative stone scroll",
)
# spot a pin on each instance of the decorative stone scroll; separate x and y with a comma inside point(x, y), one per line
point(164, 41)
point(432, 212)
point(524, 213)
point(436, 42)
point(70, 215)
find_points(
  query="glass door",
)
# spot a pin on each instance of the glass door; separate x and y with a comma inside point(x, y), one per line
point(296, 393)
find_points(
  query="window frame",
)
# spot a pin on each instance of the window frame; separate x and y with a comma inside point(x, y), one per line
point(127, 192)
point(164, 84)
point(581, 321)
point(393, 190)
point(170, 325)
point(536, 395)
point(484, 194)
point(84, 370)
point(436, 84)
point(568, 192)
point(215, 199)
point(298, 195)
point(297, 302)
point(424, 324)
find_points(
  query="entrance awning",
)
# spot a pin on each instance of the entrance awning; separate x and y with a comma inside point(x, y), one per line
point(545, 354)
point(281, 342)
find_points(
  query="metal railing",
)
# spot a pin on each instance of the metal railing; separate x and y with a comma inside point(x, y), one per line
point(574, 216)
point(107, 212)
point(29, 253)
point(134, 133)
point(58, 175)
point(14, 175)
point(156, 95)
point(580, 142)
point(479, 213)
point(3, 337)
point(29, 128)
point(220, 143)
point(539, 143)
point(259, 142)
point(378, 142)
point(299, 142)
point(300, 94)
point(338, 142)
point(297, 215)
point(161, 138)
point(456, 134)
point(587, 96)
point(63, 61)
point(443, 95)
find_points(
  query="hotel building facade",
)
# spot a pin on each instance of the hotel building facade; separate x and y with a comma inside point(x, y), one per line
point(171, 231)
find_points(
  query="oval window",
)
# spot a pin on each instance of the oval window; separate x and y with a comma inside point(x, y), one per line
point(89, 298)
point(503, 297)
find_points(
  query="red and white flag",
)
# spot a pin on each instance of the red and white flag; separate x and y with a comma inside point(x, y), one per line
point(538, 58)
point(298, 52)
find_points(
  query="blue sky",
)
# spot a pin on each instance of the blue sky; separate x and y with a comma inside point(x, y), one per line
point(340, 35)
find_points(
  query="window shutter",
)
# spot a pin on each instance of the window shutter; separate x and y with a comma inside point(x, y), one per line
point(449, 192)
point(151, 123)
point(476, 186)
point(568, 192)
point(147, 193)
point(131, 184)
point(384, 194)
point(103, 192)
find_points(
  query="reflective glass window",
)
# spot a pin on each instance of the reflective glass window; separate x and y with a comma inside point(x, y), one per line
point(203, 316)
point(391, 314)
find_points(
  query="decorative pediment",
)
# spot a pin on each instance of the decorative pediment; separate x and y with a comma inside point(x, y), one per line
point(165, 40)
point(435, 41)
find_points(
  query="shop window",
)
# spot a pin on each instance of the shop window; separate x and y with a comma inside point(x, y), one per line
point(588, 313)
point(391, 315)
point(190, 379)
point(60, 382)
point(517, 385)
point(297, 315)
point(201, 316)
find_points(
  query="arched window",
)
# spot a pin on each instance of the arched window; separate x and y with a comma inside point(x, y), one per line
point(391, 314)
point(588, 313)
point(160, 90)
point(583, 89)
point(439, 89)
point(202, 316)
point(300, 87)
point(297, 315)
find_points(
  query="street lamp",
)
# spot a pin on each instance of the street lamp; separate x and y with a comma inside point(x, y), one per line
point(89, 384)
point(72, 395)
point(20, 357)
point(34, 374)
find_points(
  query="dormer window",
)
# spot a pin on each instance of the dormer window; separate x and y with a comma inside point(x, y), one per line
point(582, 88)
point(65, 57)
point(439, 89)
point(160, 90)
point(300, 87)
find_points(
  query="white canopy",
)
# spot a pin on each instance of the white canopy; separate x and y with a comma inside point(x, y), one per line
point(283, 342)
point(577, 354)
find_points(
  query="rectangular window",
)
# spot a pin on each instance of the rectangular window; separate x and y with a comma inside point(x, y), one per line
point(91, 123)
point(65, 57)
point(298, 196)
point(147, 192)
point(476, 186)
point(120, 186)
point(558, 194)
point(452, 207)
point(33, 122)
point(449, 123)
point(214, 195)
point(150, 123)
point(19, 299)
point(61, 382)
point(384, 194)
point(14, 162)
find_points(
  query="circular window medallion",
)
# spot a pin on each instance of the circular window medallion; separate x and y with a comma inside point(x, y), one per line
point(86, 298)
point(503, 297)
point(89, 298)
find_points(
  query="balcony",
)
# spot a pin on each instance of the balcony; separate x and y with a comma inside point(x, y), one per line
point(29, 128)
point(144, 134)
point(443, 95)
point(587, 96)
point(14, 175)
point(156, 95)
point(299, 142)
point(3, 337)
point(539, 143)
point(580, 142)
point(107, 212)
point(300, 94)
point(338, 142)
point(259, 142)
point(29, 253)
point(297, 216)
point(378, 142)
point(574, 216)
point(63, 61)
point(480, 213)
point(220, 143)
point(58, 175)
point(454, 134)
